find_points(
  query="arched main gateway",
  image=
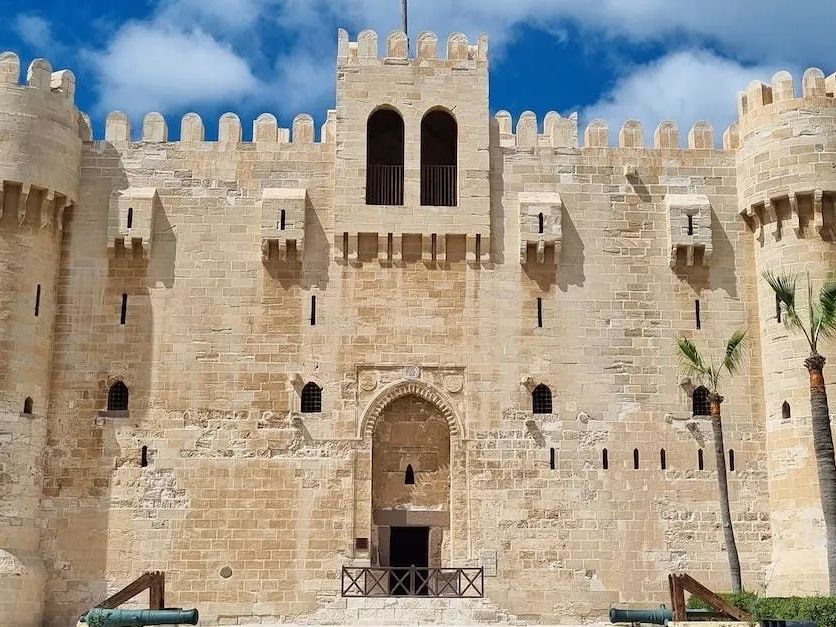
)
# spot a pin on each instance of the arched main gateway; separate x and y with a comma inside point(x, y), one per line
point(414, 486)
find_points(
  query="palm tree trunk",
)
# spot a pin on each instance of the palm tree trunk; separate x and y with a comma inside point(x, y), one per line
point(723, 485)
point(823, 446)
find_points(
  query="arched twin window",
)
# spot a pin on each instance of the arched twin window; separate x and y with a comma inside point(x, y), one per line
point(117, 397)
point(385, 144)
point(541, 400)
point(311, 398)
point(700, 402)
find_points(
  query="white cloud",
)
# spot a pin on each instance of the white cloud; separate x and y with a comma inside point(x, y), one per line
point(148, 67)
point(34, 31)
point(684, 86)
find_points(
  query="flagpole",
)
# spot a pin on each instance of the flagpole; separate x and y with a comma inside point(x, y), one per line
point(406, 20)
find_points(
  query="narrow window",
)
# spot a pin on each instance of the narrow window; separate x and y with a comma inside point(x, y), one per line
point(541, 400)
point(540, 217)
point(731, 460)
point(551, 458)
point(439, 155)
point(697, 318)
point(117, 397)
point(605, 460)
point(38, 300)
point(384, 158)
point(281, 220)
point(143, 457)
point(539, 312)
point(778, 312)
point(786, 412)
point(409, 476)
point(700, 402)
point(130, 217)
point(124, 315)
point(700, 461)
point(690, 225)
point(311, 398)
point(27, 405)
point(313, 310)
point(635, 459)
point(662, 460)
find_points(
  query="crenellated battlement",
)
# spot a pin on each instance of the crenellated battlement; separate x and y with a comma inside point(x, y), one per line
point(39, 76)
point(266, 130)
point(761, 100)
point(366, 50)
point(560, 132)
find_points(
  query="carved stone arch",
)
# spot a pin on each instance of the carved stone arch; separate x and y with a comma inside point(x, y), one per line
point(421, 389)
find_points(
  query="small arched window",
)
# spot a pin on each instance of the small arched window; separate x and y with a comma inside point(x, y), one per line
point(27, 405)
point(635, 459)
point(552, 458)
point(143, 456)
point(409, 476)
point(701, 404)
point(731, 460)
point(786, 411)
point(384, 158)
point(117, 397)
point(541, 400)
point(439, 156)
point(690, 224)
point(541, 221)
point(663, 462)
point(700, 460)
point(311, 398)
point(605, 459)
point(130, 217)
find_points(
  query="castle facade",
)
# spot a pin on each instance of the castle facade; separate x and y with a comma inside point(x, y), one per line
point(423, 335)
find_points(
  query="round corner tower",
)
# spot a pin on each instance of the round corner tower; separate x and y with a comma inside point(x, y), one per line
point(786, 172)
point(40, 160)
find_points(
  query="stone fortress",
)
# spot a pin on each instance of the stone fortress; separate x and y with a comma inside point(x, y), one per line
point(252, 363)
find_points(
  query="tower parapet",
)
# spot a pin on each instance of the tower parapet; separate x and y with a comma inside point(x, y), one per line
point(40, 156)
point(786, 147)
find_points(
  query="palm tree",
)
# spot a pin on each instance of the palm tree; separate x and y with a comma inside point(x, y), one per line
point(710, 374)
point(820, 324)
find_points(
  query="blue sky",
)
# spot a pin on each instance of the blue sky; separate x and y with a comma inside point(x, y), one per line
point(616, 59)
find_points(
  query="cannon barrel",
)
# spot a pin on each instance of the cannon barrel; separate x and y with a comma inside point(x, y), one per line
point(104, 617)
point(657, 616)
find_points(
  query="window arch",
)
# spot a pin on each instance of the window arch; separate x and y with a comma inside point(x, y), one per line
point(439, 158)
point(384, 158)
point(605, 459)
point(409, 475)
point(786, 411)
point(701, 405)
point(117, 397)
point(663, 459)
point(311, 398)
point(541, 400)
point(731, 460)
point(635, 459)
point(700, 460)
point(28, 405)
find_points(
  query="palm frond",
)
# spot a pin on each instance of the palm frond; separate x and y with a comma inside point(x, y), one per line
point(735, 351)
point(784, 286)
point(824, 315)
point(689, 357)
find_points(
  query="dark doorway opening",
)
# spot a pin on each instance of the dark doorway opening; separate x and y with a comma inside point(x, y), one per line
point(439, 156)
point(409, 547)
point(384, 158)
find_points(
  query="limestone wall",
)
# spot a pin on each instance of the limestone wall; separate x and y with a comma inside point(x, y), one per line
point(787, 189)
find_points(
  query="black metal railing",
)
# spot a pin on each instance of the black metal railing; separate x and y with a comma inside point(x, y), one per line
point(412, 581)
point(384, 185)
point(439, 186)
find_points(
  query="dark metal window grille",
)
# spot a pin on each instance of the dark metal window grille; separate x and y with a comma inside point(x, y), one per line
point(663, 459)
point(700, 402)
point(409, 475)
point(38, 300)
point(438, 186)
point(383, 581)
point(117, 397)
point(635, 459)
point(311, 398)
point(541, 400)
point(700, 460)
point(27, 405)
point(384, 185)
point(605, 460)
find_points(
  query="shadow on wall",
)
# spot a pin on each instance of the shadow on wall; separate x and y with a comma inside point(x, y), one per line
point(720, 273)
point(497, 187)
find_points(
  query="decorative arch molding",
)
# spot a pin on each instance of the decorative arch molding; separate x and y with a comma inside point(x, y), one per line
point(422, 390)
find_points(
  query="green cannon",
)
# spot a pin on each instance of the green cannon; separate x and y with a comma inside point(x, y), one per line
point(656, 616)
point(104, 617)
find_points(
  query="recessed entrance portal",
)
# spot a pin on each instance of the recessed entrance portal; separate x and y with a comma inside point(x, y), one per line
point(408, 547)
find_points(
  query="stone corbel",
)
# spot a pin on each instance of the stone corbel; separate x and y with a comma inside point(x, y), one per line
point(24, 199)
point(770, 213)
point(47, 209)
point(793, 198)
point(818, 218)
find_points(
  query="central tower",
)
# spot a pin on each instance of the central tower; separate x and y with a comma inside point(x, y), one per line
point(412, 161)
